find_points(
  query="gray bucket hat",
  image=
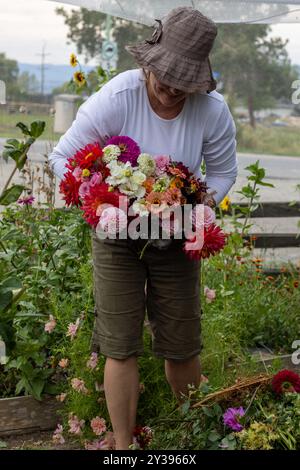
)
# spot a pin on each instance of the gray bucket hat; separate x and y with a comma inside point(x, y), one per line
point(178, 51)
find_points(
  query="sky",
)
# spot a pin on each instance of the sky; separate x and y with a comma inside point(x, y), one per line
point(28, 25)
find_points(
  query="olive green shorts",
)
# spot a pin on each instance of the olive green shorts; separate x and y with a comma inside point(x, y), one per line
point(165, 284)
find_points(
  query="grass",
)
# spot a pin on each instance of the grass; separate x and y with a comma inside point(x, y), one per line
point(8, 127)
point(269, 140)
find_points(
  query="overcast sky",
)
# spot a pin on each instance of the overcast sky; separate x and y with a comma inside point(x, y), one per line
point(25, 25)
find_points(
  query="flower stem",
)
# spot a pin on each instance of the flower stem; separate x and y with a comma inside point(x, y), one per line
point(144, 248)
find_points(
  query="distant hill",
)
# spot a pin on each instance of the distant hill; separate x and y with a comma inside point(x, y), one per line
point(55, 75)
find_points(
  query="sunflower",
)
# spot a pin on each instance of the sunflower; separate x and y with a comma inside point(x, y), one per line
point(79, 78)
point(73, 60)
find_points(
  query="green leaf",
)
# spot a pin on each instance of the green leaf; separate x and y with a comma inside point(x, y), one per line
point(11, 194)
point(5, 299)
point(37, 386)
point(37, 128)
point(12, 282)
point(23, 128)
point(185, 407)
point(214, 436)
point(3, 444)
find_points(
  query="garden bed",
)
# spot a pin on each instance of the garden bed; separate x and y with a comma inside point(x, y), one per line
point(21, 415)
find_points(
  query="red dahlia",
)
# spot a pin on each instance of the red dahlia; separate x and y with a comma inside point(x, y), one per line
point(97, 195)
point(142, 436)
point(69, 187)
point(86, 157)
point(214, 241)
point(286, 381)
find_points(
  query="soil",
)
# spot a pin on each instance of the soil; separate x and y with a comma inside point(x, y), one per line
point(35, 441)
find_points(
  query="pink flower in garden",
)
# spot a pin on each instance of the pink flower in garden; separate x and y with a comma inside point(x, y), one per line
point(232, 416)
point(26, 200)
point(162, 162)
point(98, 425)
point(79, 386)
point(63, 363)
point(75, 425)
point(210, 294)
point(72, 329)
point(61, 397)
point(93, 361)
point(57, 435)
point(106, 443)
point(50, 325)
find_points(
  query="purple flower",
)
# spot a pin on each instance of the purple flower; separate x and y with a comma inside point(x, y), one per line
point(26, 200)
point(129, 148)
point(231, 418)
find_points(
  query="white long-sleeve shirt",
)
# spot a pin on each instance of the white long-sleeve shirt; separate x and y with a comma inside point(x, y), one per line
point(203, 129)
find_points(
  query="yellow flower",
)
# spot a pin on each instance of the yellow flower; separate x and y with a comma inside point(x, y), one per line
point(224, 205)
point(86, 172)
point(79, 78)
point(73, 60)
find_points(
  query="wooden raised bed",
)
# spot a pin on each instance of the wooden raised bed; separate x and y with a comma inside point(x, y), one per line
point(22, 415)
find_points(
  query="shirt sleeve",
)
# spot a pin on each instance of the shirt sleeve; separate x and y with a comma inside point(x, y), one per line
point(97, 119)
point(219, 153)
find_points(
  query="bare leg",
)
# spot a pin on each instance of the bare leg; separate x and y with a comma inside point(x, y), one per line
point(121, 385)
point(180, 374)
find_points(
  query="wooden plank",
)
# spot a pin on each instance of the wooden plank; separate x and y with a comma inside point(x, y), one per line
point(272, 209)
point(19, 415)
point(274, 240)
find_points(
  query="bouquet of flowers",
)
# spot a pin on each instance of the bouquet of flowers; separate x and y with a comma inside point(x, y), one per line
point(117, 184)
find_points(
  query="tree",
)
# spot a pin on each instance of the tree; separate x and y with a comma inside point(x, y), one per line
point(252, 66)
point(9, 74)
point(87, 31)
point(28, 84)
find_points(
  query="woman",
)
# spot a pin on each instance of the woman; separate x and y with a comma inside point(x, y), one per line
point(169, 107)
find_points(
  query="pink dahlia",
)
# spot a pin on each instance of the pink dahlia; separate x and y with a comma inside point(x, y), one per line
point(129, 148)
point(98, 425)
point(93, 361)
point(161, 162)
point(286, 381)
point(113, 220)
point(75, 424)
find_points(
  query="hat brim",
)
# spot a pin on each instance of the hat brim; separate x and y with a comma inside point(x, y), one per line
point(174, 70)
